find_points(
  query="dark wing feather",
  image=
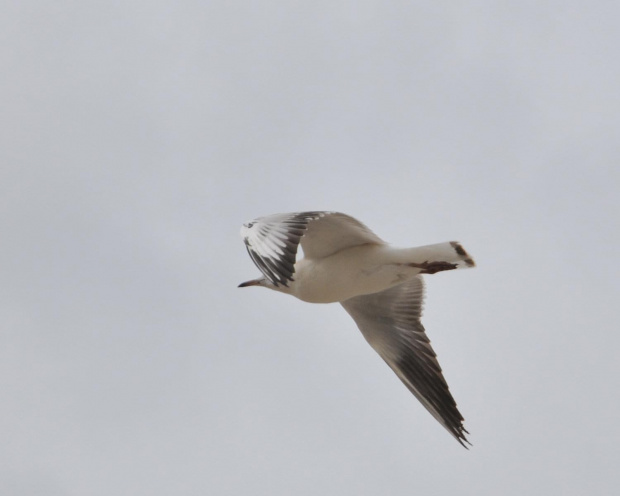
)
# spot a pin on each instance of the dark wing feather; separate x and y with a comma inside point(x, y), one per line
point(273, 241)
point(390, 322)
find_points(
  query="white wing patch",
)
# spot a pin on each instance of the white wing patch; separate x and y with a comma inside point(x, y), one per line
point(273, 241)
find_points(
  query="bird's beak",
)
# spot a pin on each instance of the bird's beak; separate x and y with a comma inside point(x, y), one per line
point(253, 282)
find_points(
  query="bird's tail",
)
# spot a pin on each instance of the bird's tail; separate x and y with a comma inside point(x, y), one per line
point(438, 257)
point(459, 254)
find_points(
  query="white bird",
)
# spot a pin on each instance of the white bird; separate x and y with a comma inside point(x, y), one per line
point(377, 284)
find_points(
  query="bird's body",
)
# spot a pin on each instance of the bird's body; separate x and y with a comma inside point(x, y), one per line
point(346, 274)
point(355, 271)
point(377, 284)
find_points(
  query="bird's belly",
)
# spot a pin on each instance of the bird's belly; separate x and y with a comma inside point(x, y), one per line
point(341, 277)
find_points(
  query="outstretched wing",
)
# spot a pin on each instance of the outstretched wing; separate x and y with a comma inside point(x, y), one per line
point(273, 241)
point(390, 322)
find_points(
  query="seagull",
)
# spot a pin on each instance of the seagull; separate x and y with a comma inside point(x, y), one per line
point(377, 284)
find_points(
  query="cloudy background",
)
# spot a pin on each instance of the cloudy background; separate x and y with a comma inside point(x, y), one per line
point(136, 137)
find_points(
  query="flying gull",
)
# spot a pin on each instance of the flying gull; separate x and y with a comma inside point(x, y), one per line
point(377, 284)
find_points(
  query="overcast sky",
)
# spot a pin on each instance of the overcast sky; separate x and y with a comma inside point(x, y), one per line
point(135, 139)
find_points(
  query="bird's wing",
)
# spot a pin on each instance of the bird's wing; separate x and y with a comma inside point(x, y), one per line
point(390, 322)
point(272, 241)
point(333, 232)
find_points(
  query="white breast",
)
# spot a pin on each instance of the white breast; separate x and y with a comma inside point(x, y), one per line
point(352, 272)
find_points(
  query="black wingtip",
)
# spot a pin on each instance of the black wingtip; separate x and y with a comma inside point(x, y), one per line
point(459, 435)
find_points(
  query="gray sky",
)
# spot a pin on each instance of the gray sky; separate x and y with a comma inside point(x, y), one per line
point(135, 139)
